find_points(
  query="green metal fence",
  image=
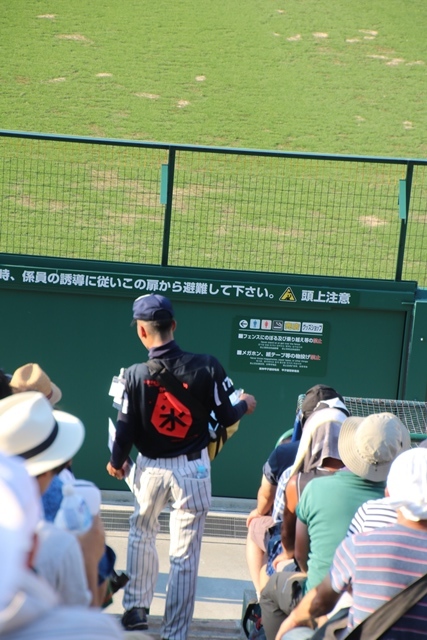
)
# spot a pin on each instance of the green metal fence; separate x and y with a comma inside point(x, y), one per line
point(215, 208)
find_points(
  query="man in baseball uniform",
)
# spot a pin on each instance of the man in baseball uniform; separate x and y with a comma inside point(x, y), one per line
point(173, 465)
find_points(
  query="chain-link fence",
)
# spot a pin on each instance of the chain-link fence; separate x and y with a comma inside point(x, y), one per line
point(213, 208)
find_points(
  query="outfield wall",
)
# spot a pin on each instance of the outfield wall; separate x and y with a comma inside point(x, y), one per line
point(276, 335)
point(276, 330)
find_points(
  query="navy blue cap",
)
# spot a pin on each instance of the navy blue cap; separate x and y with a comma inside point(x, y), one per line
point(152, 307)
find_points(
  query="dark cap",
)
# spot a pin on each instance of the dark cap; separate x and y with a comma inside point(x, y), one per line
point(314, 396)
point(152, 307)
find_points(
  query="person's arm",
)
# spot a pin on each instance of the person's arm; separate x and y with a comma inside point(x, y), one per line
point(125, 436)
point(265, 499)
point(317, 602)
point(288, 524)
point(227, 413)
point(302, 545)
point(289, 516)
point(93, 545)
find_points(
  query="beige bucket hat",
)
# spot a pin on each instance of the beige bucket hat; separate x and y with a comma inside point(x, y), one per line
point(368, 446)
point(31, 377)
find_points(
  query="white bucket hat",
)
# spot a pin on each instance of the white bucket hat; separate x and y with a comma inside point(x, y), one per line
point(29, 428)
point(407, 484)
point(368, 446)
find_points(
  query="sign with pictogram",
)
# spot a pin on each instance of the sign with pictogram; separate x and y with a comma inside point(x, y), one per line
point(288, 296)
point(279, 345)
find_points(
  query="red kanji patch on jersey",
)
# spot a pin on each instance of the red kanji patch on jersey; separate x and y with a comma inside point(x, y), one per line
point(170, 417)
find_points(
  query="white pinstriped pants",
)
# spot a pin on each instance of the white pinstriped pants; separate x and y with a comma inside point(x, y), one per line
point(158, 483)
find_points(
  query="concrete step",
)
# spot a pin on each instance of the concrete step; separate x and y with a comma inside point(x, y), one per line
point(223, 574)
point(199, 630)
point(227, 518)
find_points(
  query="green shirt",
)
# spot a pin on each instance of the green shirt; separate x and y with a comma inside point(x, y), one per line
point(326, 507)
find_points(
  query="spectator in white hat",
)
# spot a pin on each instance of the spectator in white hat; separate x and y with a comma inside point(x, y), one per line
point(380, 563)
point(29, 608)
point(46, 440)
point(367, 447)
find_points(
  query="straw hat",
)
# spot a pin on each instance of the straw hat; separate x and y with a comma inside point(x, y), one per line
point(31, 377)
point(29, 428)
point(368, 446)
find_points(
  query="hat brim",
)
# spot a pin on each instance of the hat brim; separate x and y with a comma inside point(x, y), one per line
point(70, 438)
point(350, 457)
point(56, 394)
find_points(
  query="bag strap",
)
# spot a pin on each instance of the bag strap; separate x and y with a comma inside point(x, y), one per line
point(383, 618)
point(158, 370)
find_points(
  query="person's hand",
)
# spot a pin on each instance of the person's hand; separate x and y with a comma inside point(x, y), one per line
point(250, 401)
point(253, 514)
point(117, 473)
point(287, 624)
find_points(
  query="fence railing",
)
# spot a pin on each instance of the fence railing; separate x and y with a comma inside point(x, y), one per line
point(209, 207)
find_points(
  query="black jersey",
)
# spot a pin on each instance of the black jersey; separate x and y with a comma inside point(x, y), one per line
point(156, 422)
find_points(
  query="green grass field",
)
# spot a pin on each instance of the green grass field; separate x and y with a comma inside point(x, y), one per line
point(286, 75)
point(296, 75)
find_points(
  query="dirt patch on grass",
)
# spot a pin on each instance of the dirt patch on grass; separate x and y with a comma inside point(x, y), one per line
point(419, 217)
point(132, 191)
point(97, 131)
point(105, 179)
point(372, 221)
point(53, 80)
point(182, 103)
point(75, 37)
point(56, 205)
point(26, 201)
point(131, 218)
point(150, 96)
point(104, 75)
point(48, 16)
point(395, 62)
point(149, 201)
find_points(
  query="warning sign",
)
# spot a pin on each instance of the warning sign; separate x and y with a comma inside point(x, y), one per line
point(288, 296)
point(280, 346)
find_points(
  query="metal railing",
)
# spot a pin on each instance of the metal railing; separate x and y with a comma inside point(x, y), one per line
point(210, 207)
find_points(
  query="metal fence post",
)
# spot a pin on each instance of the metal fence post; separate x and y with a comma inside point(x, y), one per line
point(404, 199)
point(168, 207)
